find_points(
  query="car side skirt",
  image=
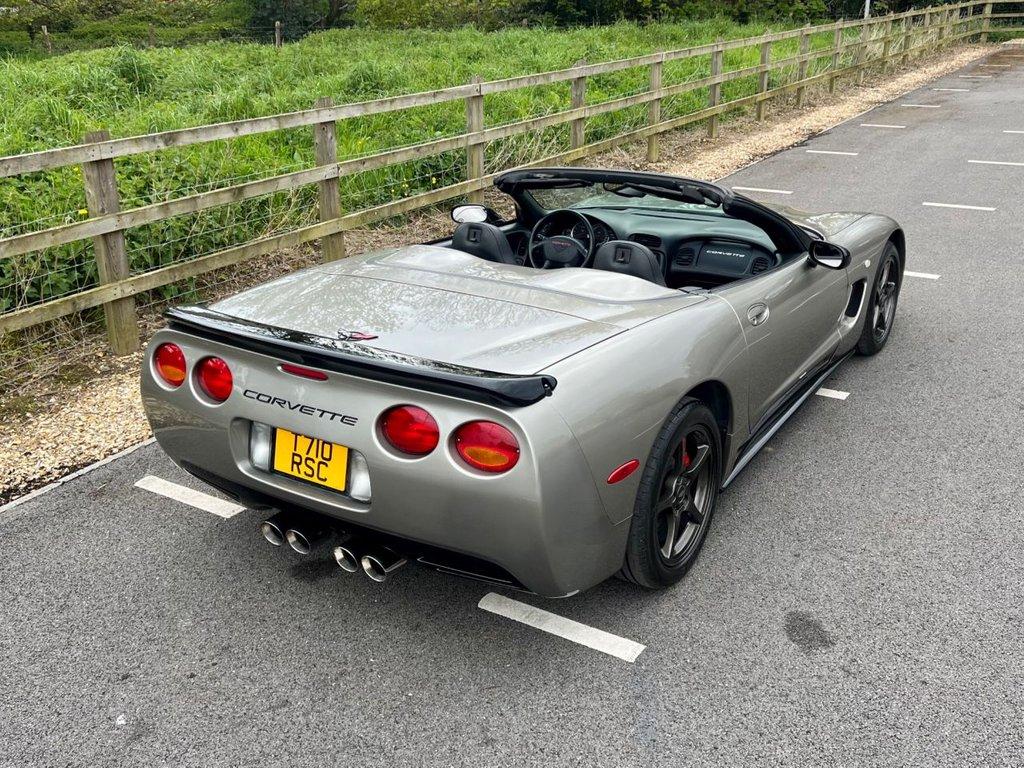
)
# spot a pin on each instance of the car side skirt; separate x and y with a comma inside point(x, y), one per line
point(783, 413)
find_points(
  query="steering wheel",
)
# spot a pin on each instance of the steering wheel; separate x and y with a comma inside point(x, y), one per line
point(560, 250)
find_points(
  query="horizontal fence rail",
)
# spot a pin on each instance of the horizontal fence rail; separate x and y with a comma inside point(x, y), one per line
point(855, 45)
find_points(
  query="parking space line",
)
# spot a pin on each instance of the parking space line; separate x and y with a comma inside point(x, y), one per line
point(953, 90)
point(994, 162)
point(957, 205)
point(995, 65)
point(835, 394)
point(597, 639)
point(925, 275)
point(192, 498)
point(831, 152)
point(921, 106)
point(765, 189)
point(1013, 131)
point(880, 125)
point(975, 77)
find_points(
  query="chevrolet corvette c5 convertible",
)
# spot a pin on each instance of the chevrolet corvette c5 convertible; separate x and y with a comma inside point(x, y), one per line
point(540, 401)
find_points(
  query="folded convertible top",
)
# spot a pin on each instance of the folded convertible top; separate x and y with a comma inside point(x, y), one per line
point(363, 361)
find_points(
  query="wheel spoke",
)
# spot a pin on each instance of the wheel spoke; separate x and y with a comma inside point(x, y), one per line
point(671, 530)
point(698, 460)
point(694, 515)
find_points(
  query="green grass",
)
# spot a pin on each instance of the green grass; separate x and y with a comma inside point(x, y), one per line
point(53, 102)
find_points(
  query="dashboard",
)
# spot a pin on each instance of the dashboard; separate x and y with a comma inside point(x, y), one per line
point(693, 249)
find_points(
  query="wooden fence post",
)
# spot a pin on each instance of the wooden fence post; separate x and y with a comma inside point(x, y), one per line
point(763, 75)
point(986, 22)
point(47, 41)
point(908, 24)
point(837, 47)
point(475, 148)
point(578, 99)
point(801, 68)
point(715, 91)
point(887, 47)
point(325, 146)
point(102, 198)
point(867, 34)
point(654, 111)
point(278, 35)
point(928, 16)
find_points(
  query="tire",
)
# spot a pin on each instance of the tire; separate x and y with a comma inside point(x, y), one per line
point(881, 311)
point(688, 486)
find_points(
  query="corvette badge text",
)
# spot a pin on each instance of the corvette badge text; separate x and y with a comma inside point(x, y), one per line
point(307, 410)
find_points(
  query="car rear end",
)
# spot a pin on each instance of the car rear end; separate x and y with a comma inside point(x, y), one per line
point(498, 492)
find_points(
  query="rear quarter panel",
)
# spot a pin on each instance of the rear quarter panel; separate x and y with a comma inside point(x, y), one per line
point(616, 396)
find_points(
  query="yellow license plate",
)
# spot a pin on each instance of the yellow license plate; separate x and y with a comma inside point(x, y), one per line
point(310, 459)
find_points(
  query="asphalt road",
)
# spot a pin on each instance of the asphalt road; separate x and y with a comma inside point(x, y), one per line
point(858, 603)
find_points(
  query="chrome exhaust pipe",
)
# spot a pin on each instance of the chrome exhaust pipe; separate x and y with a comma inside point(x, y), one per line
point(273, 529)
point(346, 555)
point(381, 563)
point(305, 540)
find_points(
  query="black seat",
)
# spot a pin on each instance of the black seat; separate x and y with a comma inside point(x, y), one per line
point(485, 241)
point(630, 259)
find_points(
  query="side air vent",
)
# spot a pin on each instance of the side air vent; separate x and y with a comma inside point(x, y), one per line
point(685, 257)
point(759, 265)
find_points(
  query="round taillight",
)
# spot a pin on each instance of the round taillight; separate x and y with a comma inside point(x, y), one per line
point(214, 378)
point(410, 430)
point(169, 362)
point(487, 446)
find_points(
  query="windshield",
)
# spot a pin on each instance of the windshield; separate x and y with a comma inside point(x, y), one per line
point(607, 196)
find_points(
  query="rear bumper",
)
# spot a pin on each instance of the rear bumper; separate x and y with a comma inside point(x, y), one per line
point(543, 522)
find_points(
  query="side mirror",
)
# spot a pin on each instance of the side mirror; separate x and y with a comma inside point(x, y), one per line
point(828, 255)
point(470, 214)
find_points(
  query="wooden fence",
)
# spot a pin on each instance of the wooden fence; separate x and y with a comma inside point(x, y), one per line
point(878, 41)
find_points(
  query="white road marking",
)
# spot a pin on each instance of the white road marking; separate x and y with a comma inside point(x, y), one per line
point(994, 162)
point(1013, 131)
point(956, 205)
point(831, 152)
point(880, 125)
point(197, 499)
point(953, 90)
point(598, 639)
point(995, 65)
point(835, 394)
point(925, 275)
point(975, 77)
point(922, 106)
point(765, 189)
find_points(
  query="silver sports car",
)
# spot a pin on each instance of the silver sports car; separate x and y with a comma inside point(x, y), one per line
point(540, 403)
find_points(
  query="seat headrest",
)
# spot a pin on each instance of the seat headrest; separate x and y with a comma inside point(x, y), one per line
point(483, 240)
point(629, 258)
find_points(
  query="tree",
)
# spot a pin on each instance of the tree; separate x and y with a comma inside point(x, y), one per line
point(296, 15)
point(57, 15)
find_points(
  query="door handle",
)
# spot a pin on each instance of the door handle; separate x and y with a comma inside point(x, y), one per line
point(758, 313)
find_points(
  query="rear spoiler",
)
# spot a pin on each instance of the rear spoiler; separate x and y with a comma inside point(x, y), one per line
point(363, 361)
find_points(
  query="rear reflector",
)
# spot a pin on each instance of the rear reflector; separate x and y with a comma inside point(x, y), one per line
point(621, 473)
point(169, 362)
point(410, 429)
point(306, 373)
point(487, 446)
point(215, 378)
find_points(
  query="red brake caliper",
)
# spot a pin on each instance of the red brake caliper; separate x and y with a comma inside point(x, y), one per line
point(686, 456)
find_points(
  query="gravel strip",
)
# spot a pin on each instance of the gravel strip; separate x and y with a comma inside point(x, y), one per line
point(49, 430)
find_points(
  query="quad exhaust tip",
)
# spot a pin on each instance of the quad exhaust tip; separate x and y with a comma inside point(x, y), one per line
point(346, 558)
point(380, 564)
point(273, 530)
